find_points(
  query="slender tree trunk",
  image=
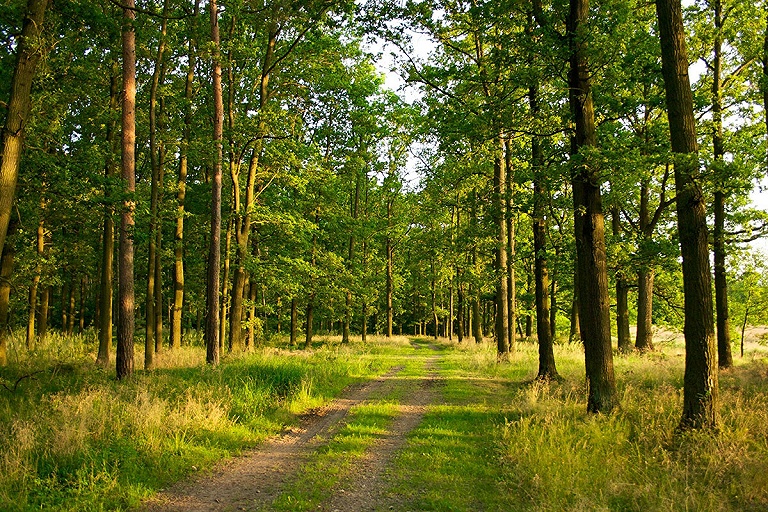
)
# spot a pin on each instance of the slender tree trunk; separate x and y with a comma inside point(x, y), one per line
point(81, 308)
point(354, 211)
point(553, 307)
point(547, 367)
point(42, 330)
point(106, 284)
point(622, 294)
point(294, 321)
point(126, 315)
point(644, 339)
point(594, 302)
point(390, 282)
point(40, 249)
point(310, 323)
point(28, 53)
point(725, 359)
point(181, 194)
point(6, 270)
point(225, 292)
point(700, 381)
point(476, 320)
point(214, 253)
point(511, 284)
point(502, 294)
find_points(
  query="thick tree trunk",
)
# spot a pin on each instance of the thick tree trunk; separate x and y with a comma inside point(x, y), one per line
point(214, 253)
point(6, 270)
point(126, 314)
point(28, 53)
point(700, 381)
point(594, 302)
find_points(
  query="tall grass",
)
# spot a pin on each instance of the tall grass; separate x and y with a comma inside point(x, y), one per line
point(553, 456)
point(71, 438)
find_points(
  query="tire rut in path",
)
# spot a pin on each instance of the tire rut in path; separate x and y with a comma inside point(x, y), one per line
point(368, 485)
point(254, 479)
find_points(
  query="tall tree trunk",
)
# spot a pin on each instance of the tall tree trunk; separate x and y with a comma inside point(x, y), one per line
point(622, 294)
point(725, 358)
point(6, 270)
point(126, 314)
point(547, 368)
point(700, 381)
point(510, 271)
point(152, 308)
point(214, 252)
point(475, 320)
point(106, 284)
point(502, 294)
point(594, 302)
point(354, 211)
point(28, 53)
point(181, 194)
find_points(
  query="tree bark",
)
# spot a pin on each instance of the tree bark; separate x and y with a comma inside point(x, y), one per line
point(725, 358)
point(547, 367)
point(700, 381)
point(294, 321)
point(644, 337)
point(40, 250)
point(213, 280)
point(181, 194)
point(510, 270)
point(126, 314)
point(622, 294)
point(106, 284)
point(42, 330)
point(594, 313)
point(6, 270)
point(28, 54)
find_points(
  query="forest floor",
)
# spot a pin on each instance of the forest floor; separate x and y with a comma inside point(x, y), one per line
point(256, 479)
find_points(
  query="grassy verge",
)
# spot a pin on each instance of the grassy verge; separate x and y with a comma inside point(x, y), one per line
point(74, 439)
point(501, 441)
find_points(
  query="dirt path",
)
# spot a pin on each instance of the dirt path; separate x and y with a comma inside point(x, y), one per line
point(254, 479)
point(368, 489)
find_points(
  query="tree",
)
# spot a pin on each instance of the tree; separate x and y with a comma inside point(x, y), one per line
point(594, 315)
point(28, 54)
point(214, 248)
point(126, 307)
point(700, 381)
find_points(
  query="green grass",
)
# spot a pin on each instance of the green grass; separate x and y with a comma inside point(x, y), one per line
point(73, 438)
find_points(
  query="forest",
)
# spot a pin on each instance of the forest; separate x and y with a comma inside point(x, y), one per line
point(233, 210)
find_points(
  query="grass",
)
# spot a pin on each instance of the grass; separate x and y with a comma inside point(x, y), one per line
point(74, 439)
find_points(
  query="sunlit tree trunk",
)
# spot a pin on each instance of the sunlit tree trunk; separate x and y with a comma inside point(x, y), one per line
point(213, 280)
point(644, 338)
point(700, 380)
point(510, 270)
point(126, 314)
point(28, 53)
point(622, 294)
point(591, 263)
